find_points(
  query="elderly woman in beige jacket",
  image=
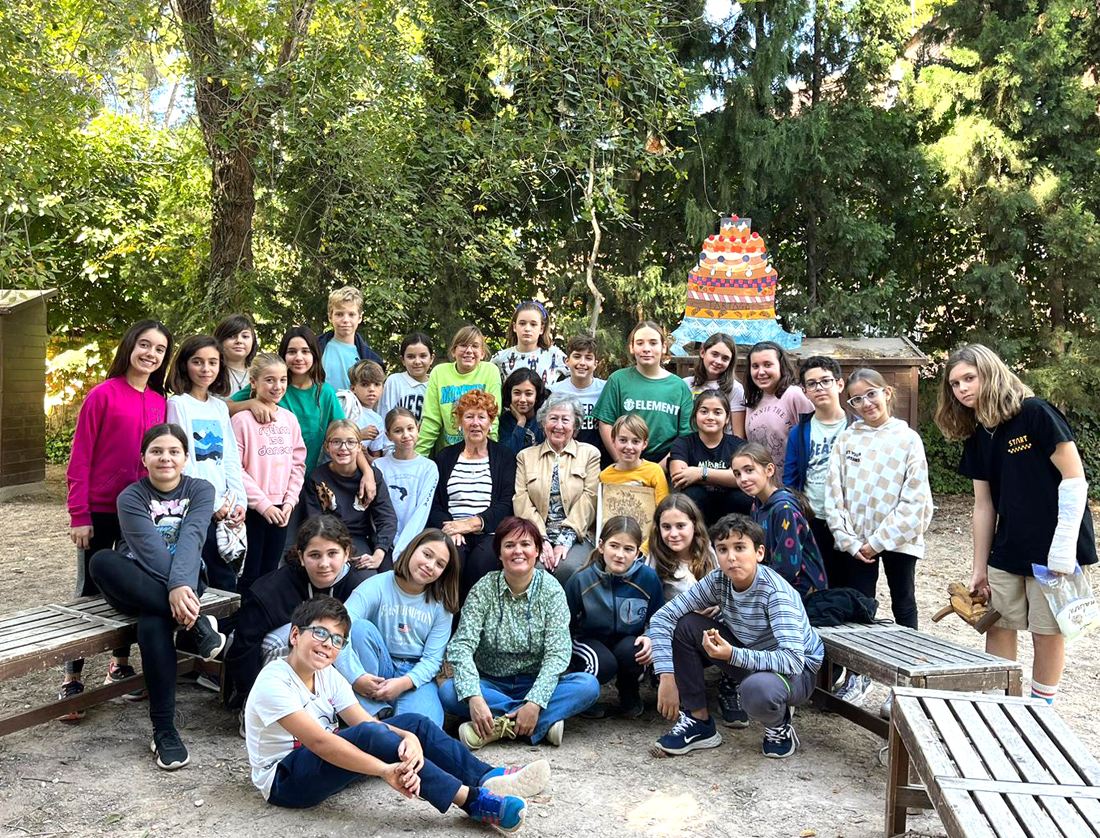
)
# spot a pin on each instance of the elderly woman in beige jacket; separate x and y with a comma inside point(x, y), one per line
point(556, 485)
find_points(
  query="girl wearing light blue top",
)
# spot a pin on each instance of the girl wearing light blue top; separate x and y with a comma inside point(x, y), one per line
point(411, 477)
point(401, 622)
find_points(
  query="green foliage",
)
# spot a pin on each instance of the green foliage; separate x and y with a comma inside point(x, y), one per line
point(59, 444)
point(943, 460)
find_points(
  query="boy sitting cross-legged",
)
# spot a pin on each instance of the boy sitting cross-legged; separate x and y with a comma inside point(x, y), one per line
point(761, 639)
point(299, 757)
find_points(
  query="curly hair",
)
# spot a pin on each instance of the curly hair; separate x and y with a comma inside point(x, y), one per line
point(475, 400)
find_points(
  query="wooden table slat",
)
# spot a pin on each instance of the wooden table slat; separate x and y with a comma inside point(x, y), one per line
point(961, 816)
point(933, 760)
point(31, 621)
point(48, 637)
point(1072, 748)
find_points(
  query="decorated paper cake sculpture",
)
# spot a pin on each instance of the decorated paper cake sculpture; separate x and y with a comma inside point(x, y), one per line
point(732, 290)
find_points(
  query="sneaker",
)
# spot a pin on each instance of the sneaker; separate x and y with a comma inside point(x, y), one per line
point(208, 640)
point(887, 707)
point(631, 708)
point(780, 742)
point(68, 690)
point(855, 689)
point(167, 745)
point(555, 733)
point(599, 711)
point(503, 728)
point(116, 673)
point(504, 813)
point(690, 734)
point(840, 678)
point(209, 682)
point(518, 780)
point(729, 702)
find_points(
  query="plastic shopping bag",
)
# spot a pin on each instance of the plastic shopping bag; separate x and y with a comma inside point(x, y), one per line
point(1071, 599)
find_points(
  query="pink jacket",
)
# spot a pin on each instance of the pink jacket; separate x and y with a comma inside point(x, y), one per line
point(106, 455)
point(273, 459)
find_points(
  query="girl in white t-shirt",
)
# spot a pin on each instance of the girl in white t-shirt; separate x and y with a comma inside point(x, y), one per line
point(714, 371)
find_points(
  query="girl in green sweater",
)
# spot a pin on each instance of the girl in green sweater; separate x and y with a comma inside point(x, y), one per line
point(469, 371)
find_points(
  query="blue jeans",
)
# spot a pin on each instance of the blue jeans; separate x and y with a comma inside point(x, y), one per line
point(368, 645)
point(303, 779)
point(575, 692)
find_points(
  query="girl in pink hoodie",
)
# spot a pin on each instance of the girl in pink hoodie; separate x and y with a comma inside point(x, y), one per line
point(273, 467)
point(106, 458)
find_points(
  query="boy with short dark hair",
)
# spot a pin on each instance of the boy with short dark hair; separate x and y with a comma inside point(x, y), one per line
point(359, 401)
point(341, 346)
point(761, 639)
point(581, 357)
point(299, 757)
point(807, 462)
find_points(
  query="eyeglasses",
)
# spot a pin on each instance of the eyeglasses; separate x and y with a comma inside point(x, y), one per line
point(820, 385)
point(343, 443)
point(322, 634)
point(873, 393)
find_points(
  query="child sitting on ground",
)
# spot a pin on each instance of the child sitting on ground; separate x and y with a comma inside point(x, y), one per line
point(761, 638)
point(299, 756)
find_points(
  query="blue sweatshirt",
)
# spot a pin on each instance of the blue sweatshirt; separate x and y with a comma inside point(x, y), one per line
point(603, 604)
point(413, 628)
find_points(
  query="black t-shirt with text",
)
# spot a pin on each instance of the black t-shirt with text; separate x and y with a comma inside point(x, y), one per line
point(691, 450)
point(1014, 458)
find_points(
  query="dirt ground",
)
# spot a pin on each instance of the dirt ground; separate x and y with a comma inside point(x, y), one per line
point(98, 778)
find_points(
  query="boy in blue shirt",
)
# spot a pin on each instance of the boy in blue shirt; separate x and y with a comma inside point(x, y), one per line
point(761, 639)
point(341, 346)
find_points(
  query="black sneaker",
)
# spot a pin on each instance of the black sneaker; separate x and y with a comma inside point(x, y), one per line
point(631, 707)
point(207, 639)
point(729, 702)
point(116, 673)
point(167, 745)
point(68, 690)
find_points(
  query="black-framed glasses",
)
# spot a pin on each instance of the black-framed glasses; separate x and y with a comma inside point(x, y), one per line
point(873, 393)
point(820, 385)
point(343, 443)
point(321, 634)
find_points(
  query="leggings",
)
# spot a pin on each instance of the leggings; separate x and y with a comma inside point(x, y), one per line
point(106, 533)
point(265, 548)
point(131, 589)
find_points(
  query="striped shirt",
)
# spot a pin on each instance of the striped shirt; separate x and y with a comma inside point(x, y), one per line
point(469, 488)
point(768, 620)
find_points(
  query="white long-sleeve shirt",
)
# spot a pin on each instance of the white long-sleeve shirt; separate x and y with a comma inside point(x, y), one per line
point(877, 490)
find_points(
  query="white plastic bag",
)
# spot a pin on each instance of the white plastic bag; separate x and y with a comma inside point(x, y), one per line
point(1071, 599)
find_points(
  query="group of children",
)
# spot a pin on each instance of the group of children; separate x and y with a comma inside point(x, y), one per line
point(768, 494)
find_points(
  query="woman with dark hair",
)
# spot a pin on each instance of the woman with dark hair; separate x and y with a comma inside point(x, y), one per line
point(523, 394)
point(155, 575)
point(477, 478)
point(512, 648)
point(236, 334)
point(106, 458)
point(317, 564)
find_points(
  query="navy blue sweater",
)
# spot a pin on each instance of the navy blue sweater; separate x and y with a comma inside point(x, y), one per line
point(602, 604)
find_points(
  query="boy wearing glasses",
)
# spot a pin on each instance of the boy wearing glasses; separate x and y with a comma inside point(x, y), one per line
point(299, 757)
point(807, 462)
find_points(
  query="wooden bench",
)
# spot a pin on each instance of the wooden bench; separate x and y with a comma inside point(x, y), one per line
point(991, 766)
point(38, 638)
point(898, 656)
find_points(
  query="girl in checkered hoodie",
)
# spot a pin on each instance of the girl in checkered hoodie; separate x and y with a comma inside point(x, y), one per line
point(878, 502)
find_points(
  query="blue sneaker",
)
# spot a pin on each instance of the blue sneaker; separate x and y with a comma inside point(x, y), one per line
point(518, 780)
point(503, 813)
point(729, 702)
point(780, 742)
point(690, 734)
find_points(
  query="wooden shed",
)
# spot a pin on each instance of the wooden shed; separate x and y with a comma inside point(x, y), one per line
point(23, 391)
point(898, 359)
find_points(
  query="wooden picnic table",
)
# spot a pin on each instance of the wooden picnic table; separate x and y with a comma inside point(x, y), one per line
point(991, 766)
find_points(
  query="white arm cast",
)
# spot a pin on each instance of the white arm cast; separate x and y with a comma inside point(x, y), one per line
point(1072, 498)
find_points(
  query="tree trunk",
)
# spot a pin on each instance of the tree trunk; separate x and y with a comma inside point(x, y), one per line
point(597, 234)
point(1058, 310)
point(233, 199)
point(811, 184)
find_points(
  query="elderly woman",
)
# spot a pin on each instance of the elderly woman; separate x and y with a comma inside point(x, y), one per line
point(556, 485)
point(474, 493)
point(512, 648)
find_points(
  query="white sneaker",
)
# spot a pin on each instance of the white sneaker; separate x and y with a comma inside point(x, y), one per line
point(518, 781)
point(855, 690)
point(556, 732)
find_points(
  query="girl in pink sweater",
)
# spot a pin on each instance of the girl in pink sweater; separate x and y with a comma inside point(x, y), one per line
point(106, 458)
point(273, 467)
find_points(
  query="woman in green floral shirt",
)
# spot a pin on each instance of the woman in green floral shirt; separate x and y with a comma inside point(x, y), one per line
point(512, 648)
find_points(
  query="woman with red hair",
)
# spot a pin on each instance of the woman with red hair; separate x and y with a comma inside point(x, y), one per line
point(477, 478)
point(512, 648)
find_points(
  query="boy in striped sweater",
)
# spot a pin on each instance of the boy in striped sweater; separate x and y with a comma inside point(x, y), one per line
point(761, 639)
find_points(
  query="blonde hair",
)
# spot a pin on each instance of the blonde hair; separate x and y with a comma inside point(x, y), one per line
point(347, 294)
point(665, 562)
point(1000, 393)
point(464, 337)
point(633, 423)
point(261, 362)
point(345, 425)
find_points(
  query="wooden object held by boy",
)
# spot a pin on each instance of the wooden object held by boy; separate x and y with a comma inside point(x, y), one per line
point(973, 608)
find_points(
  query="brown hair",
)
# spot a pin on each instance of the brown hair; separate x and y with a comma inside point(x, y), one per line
point(466, 335)
point(582, 343)
point(788, 375)
point(445, 588)
point(328, 527)
point(633, 423)
point(179, 381)
point(664, 560)
point(615, 525)
point(397, 413)
point(513, 524)
point(366, 372)
point(875, 379)
point(709, 393)
point(646, 324)
point(1001, 393)
point(725, 380)
point(760, 455)
point(120, 364)
point(531, 305)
